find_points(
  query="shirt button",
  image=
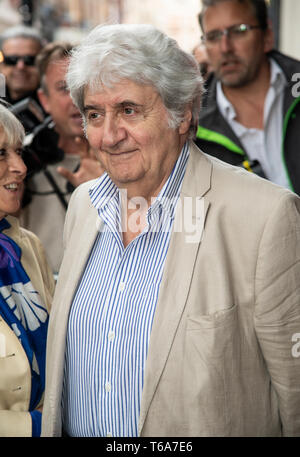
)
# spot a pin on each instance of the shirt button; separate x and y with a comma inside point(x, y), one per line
point(107, 387)
point(121, 286)
point(111, 335)
point(109, 434)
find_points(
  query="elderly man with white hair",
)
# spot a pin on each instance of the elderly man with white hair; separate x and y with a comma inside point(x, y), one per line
point(177, 308)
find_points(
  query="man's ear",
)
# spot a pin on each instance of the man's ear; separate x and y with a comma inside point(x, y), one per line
point(44, 99)
point(186, 121)
point(269, 38)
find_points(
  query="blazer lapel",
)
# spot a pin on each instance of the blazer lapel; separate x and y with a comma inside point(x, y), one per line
point(71, 271)
point(178, 271)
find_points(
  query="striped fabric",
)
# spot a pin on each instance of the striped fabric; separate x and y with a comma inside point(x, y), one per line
point(112, 312)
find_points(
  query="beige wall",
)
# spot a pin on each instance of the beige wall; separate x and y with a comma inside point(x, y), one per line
point(290, 28)
point(177, 18)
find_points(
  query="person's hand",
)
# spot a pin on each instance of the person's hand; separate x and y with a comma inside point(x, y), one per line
point(90, 167)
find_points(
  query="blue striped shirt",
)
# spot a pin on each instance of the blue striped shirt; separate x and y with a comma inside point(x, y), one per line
point(112, 312)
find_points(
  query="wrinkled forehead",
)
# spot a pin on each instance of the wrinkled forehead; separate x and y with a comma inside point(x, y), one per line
point(120, 90)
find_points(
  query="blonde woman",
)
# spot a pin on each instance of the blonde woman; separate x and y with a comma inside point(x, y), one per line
point(26, 288)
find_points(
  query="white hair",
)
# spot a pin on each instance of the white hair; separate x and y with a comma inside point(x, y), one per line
point(22, 31)
point(12, 127)
point(144, 55)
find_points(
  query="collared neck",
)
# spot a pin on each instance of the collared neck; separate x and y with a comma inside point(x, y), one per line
point(278, 81)
point(104, 192)
point(225, 106)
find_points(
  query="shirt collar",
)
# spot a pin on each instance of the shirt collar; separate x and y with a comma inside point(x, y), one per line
point(102, 191)
point(278, 79)
point(224, 104)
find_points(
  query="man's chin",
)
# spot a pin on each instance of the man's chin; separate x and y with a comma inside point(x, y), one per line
point(233, 81)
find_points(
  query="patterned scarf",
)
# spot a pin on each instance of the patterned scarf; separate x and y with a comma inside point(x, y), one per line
point(22, 310)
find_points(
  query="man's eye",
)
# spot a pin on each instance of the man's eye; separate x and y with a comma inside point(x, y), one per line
point(214, 35)
point(93, 116)
point(238, 31)
point(63, 89)
point(129, 110)
point(2, 152)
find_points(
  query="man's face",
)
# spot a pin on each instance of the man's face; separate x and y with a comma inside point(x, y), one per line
point(236, 61)
point(57, 101)
point(127, 128)
point(20, 78)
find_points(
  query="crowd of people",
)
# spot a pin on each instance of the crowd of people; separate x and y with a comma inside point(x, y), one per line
point(150, 241)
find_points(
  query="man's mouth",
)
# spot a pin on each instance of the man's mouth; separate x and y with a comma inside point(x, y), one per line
point(121, 153)
point(230, 63)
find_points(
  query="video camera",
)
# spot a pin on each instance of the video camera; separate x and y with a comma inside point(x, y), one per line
point(41, 140)
point(40, 147)
point(29, 113)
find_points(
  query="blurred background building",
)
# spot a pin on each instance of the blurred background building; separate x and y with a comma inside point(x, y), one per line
point(72, 19)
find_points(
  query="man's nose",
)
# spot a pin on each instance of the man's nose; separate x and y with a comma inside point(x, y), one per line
point(225, 43)
point(20, 64)
point(113, 132)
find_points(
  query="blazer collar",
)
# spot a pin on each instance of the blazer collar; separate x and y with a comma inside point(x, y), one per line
point(197, 180)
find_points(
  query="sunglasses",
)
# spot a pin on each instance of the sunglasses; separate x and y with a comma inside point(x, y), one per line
point(13, 60)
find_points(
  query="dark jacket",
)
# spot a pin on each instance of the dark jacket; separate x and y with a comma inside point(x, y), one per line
point(12, 101)
point(215, 136)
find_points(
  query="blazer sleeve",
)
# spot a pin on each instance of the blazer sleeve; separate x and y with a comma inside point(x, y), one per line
point(277, 306)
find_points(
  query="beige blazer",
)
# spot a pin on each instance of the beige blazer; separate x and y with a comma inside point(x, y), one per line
point(221, 359)
point(15, 371)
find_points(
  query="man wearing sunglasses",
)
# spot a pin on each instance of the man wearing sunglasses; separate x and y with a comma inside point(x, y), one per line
point(19, 47)
point(249, 115)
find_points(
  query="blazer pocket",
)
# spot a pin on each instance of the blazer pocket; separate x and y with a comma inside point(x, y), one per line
point(220, 318)
point(213, 335)
point(212, 349)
